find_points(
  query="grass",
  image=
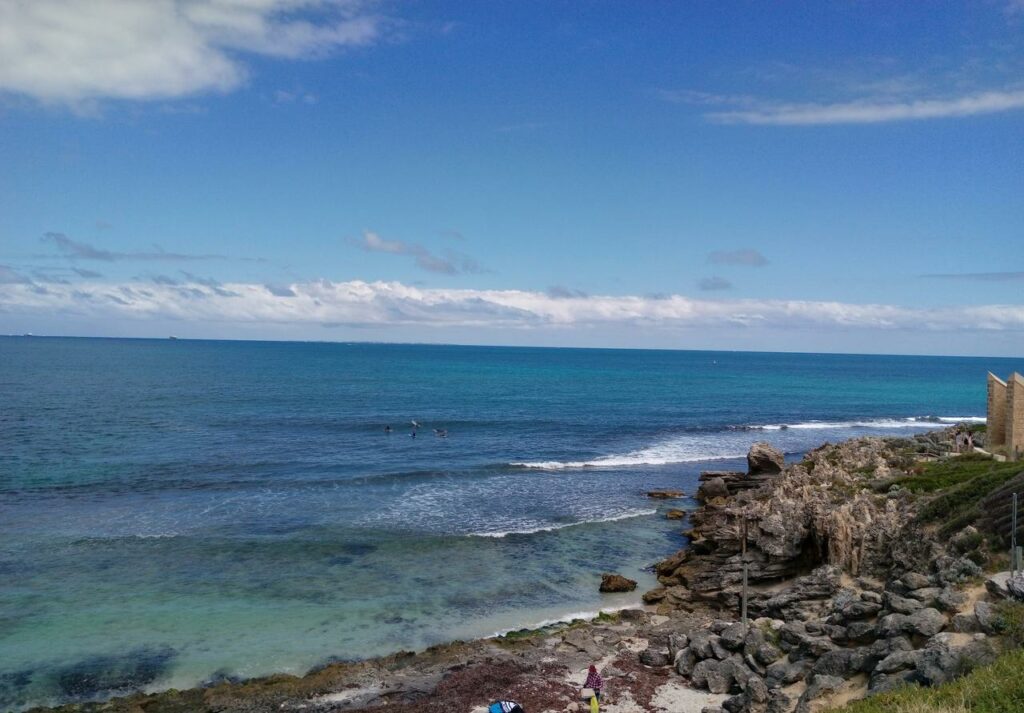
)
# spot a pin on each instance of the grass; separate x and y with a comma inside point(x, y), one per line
point(943, 474)
point(998, 688)
point(1010, 621)
point(958, 485)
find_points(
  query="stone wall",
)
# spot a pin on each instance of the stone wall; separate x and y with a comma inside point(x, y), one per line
point(996, 411)
point(1015, 417)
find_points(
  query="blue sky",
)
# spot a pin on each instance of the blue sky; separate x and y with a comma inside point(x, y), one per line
point(839, 176)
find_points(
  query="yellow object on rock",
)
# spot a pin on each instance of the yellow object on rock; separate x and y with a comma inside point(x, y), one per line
point(593, 705)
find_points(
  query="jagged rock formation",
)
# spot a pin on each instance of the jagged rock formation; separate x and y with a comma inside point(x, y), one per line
point(820, 511)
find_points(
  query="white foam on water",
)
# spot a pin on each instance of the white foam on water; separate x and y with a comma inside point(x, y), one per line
point(571, 616)
point(912, 422)
point(732, 444)
point(561, 526)
point(690, 449)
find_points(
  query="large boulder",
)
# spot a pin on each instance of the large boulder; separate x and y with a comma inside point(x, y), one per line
point(733, 636)
point(676, 644)
point(654, 657)
point(915, 580)
point(901, 605)
point(841, 662)
point(700, 644)
point(616, 583)
point(686, 661)
point(716, 676)
point(783, 673)
point(898, 661)
point(986, 615)
point(1003, 586)
point(765, 459)
point(926, 622)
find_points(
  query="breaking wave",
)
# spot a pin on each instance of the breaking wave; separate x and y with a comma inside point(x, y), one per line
point(629, 515)
point(733, 443)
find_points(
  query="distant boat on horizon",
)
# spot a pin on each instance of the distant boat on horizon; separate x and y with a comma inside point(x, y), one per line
point(172, 337)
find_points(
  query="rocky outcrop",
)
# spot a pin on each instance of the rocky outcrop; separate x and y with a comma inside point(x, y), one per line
point(666, 494)
point(616, 583)
point(821, 511)
point(858, 588)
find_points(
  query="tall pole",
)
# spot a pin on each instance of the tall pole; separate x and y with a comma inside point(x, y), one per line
point(1014, 564)
point(743, 557)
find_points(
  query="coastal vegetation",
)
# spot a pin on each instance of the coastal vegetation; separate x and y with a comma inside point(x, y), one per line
point(996, 688)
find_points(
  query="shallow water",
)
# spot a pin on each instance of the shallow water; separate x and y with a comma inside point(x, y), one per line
point(172, 511)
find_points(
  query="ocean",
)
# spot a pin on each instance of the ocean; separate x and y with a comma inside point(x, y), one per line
point(174, 512)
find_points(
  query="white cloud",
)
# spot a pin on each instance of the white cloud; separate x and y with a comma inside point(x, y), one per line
point(75, 51)
point(394, 304)
point(874, 111)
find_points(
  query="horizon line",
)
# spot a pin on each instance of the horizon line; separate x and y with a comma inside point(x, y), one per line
point(173, 338)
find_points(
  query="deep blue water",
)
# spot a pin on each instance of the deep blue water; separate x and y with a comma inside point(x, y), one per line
point(171, 511)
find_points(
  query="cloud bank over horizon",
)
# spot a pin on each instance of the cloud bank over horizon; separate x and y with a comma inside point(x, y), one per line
point(395, 304)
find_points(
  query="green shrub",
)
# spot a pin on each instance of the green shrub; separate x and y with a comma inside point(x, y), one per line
point(998, 688)
point(1009, 621)
point(959, 484)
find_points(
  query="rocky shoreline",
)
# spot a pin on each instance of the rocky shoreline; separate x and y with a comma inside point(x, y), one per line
point(849, 594)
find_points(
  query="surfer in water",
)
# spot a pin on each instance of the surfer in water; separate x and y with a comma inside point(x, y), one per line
point(387, 429)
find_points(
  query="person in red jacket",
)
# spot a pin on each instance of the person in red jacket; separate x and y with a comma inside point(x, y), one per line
point(594, 681)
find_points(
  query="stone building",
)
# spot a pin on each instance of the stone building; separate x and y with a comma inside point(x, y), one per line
point(1006, 415)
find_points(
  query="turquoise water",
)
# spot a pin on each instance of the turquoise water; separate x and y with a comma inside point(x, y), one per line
point(173, 512)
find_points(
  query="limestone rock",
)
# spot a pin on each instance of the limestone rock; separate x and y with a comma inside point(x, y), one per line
point(898, 661)
point(715, 675)
point(926, 622)
point(733, 636)
point(928, 596)
point(860, 632)
point(655, 595)
point(583, 642)
point(616, 583)
point(915, 580)
point(764, 458)
point(676, 644)
point(950, 600)
point(675, 514)
point(712, 488)
point(783, 673)
point(964, 623)
point(654, 657)
point(986, 615)
point(841, 662)
point(686, 660)
point(666, 494)
point(700, 644)
point(1002, 586)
